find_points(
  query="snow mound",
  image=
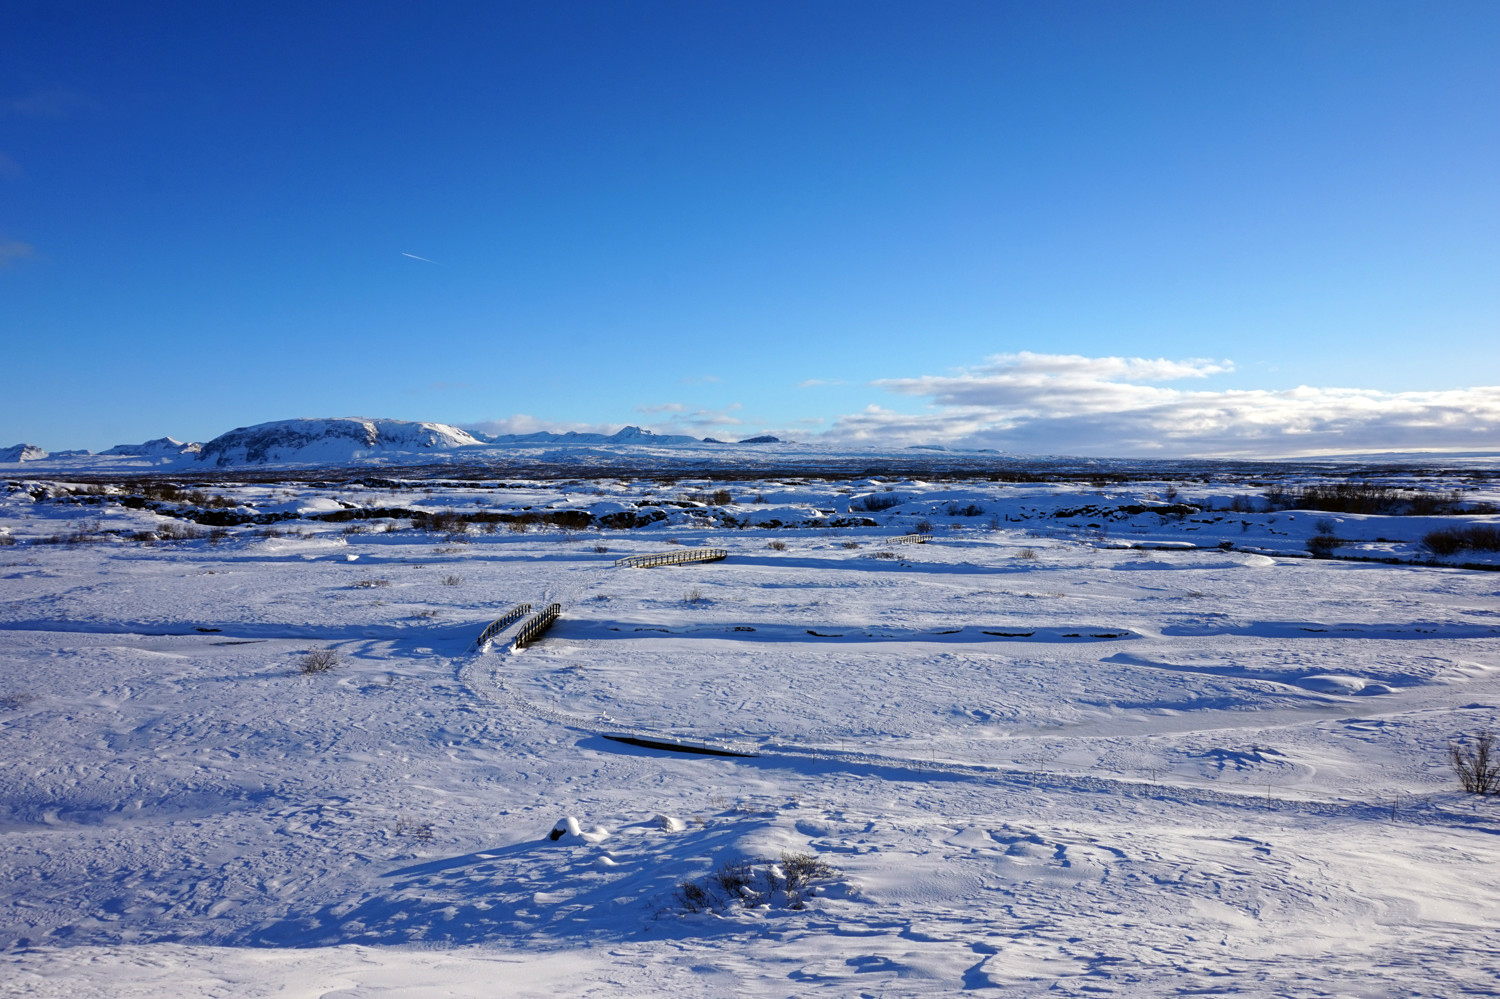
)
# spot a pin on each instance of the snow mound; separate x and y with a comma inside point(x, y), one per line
point(325, 440)
point(1330, 683)
point(570, 828)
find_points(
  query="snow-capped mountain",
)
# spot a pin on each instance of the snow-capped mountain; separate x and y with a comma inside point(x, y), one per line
point(329, 440)
point(161, 447)
point(23, 452)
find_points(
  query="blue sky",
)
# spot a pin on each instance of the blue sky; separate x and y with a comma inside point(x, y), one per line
point(803, 218)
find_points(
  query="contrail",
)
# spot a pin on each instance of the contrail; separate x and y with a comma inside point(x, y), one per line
point(415, 257)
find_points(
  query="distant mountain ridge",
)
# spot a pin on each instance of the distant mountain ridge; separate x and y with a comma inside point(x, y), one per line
point(342, 439)
point(161, 447)
point(628, 435)
point(336, 441)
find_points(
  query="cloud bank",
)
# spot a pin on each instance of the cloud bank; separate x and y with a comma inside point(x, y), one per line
point(1062, 403)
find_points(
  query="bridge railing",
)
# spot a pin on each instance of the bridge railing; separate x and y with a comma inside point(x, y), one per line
point(536, 626)
point(502, 622)
point(912, 539)
point(671, 558)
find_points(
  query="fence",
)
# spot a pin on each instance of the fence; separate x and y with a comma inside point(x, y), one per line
point(912, 539)
point(504, 621)
point(536, 626)
point(671, 558)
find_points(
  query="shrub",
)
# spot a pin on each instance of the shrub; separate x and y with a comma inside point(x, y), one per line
point(1451, 540)
point(693, 897)
point(875, 502)
point(1322, 545)
point(801, 869)
point(693, 596)
point(318, 660)
point(1475, 763)
point(924, 527)
point(778, 546)
point(1026, 553)
point(452, 580)
point(600, 549)
point(733, 878)
point(851, 544)
point(175, 531)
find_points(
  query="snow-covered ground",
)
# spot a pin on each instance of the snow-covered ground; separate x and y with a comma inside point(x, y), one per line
point(1064, 748)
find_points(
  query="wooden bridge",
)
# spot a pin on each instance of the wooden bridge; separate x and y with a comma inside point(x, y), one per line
point(671, 558)
point(502, 622)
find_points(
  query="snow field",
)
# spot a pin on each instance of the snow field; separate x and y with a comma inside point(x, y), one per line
point(1092, 770)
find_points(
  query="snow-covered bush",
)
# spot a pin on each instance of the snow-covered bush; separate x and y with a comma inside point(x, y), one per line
point(784, 884)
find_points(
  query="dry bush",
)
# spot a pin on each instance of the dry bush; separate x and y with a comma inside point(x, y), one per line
point(801, 869)
point(923, 527)
point(1475, 763)
point(1026, 553)
point(694, 596)
point(452, 580)
point(851, 544)
point(778, 546)
point(600, 549)
point(318, 660)
point(875, 502)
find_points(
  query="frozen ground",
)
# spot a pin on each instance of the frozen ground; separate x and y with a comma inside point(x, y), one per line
point(1033, 758)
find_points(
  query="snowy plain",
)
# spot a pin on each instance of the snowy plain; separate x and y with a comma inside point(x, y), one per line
point(1063, 748)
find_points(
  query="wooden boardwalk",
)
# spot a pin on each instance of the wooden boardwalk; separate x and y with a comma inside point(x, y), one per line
point(671, 558)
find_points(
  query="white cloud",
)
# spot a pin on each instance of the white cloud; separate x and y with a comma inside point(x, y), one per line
point(818, 382)
point(523, 424)
point(665, 407)
point(1070, 404)
point(701, 421)
point(11, 250)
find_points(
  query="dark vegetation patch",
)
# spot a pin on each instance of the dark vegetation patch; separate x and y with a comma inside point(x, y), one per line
point(1369, 498)
point(1451, 540)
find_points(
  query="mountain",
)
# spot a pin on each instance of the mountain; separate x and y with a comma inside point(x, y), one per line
point(162, 447)
point(763, 439)
point(629, 435)
point(22, 452)
point(329, 441)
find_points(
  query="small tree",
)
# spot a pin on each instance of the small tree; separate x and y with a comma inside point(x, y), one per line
point(1476, 765)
